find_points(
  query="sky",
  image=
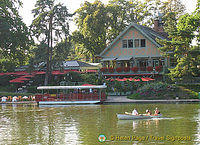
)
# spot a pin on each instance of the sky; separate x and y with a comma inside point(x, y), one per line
point(72, 5)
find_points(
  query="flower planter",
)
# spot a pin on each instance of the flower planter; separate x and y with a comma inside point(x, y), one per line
point(149, 68)
point(134, 69)
point(158, 68)
point(111, 70)
point(127, 69)
point(119, 69)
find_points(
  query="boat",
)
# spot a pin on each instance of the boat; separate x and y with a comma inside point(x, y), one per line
point(132, 117)
point(69, 95)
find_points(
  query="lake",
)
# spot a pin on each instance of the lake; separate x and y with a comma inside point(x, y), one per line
point(81, 125)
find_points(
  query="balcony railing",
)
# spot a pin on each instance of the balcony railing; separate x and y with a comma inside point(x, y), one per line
point(132, 70)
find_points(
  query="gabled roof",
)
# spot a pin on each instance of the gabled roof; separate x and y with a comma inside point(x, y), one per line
point(146, 31)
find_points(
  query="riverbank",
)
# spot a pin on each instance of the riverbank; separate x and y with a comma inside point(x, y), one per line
point(124, 99)
point(21, 102)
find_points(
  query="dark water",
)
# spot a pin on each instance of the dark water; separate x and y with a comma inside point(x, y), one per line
point(74, 125)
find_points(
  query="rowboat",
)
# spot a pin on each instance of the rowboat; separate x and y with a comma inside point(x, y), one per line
point(132, 117)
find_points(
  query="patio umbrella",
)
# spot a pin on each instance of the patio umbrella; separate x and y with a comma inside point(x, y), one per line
point(16, 81)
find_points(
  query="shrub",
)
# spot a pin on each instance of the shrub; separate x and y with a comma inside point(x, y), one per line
point(136, 96)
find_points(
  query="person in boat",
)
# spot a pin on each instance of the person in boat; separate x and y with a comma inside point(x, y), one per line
point(134, 112)
point(148, 112)
point(157, 112)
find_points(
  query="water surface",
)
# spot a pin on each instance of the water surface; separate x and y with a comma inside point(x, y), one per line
point(74, 125)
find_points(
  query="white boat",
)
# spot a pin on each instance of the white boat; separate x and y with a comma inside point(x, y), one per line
point(68, 95)
point(132, 117)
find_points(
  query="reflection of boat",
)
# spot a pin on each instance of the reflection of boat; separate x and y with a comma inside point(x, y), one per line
point(131, 117)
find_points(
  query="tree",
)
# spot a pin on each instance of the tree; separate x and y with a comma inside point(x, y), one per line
point(91, 21)
point(180, 47)
point(14, 36)
point(50, 25)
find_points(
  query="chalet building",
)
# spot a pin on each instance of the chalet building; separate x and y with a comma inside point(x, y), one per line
point(135, 52)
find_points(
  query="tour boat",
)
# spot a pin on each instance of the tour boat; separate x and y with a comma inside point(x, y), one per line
point(132, 117)
point(67, 95)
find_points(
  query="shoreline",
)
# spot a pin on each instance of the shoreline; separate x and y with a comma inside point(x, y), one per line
point(121, 99)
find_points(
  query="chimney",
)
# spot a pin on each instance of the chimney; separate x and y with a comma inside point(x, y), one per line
point(158, 26)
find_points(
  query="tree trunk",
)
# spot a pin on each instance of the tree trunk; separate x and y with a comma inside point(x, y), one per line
point(49, 53)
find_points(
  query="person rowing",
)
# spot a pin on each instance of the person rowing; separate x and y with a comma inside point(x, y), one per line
point(148, 112)
point(134, 112)
point(156, 112)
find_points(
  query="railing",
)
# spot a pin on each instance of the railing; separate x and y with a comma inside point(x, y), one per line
point(71, 97)
point(136, 70)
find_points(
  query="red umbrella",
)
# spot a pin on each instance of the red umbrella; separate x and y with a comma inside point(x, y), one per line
point(16, 81)
point(27, 76)
point(22, 78)
point(57, 72)
point(145, 80)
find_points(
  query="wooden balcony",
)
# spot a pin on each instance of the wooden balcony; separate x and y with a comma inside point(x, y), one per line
point(134, 71)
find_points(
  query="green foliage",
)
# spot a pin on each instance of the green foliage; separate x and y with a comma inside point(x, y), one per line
point(187, 56)
point(90, 78)
point(91, 20)
point(32, 89)
point(135, 96)
point(14, 36)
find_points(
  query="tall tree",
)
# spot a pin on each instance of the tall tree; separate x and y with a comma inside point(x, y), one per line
point(91, 21)
point(14, 36)
point(180, 47)
point(50, 25)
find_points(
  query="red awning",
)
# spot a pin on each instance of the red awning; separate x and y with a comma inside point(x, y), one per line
point(16, 81)
point(57, 72)
point(39, 72)
point(27, 76)
point(22, 78)
point(91, 70)
point(20, 73)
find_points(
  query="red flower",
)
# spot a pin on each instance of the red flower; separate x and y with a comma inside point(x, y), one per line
point(149, 68)
point(111, 69)
point(158, 68)
point(119, 69)
point(142, 68)
point(104, 69)
point(127, 69)
point(134, 69)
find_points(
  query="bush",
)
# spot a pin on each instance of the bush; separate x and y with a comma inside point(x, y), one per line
point(32, 89)
point(136, 96)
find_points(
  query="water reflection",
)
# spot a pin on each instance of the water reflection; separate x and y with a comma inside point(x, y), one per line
point(82, 124)
point(138, 123)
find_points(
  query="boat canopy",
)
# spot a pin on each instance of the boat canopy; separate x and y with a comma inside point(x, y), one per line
point(71, 87)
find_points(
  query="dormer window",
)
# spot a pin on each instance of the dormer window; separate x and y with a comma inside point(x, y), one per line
point(137, 43)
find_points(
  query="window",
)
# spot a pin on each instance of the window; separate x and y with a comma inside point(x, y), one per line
point(143, 43)
point(124, 43)
point(130, 43)
point(136, 42)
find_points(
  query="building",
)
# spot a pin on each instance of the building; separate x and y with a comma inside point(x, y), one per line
point(135, 52)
